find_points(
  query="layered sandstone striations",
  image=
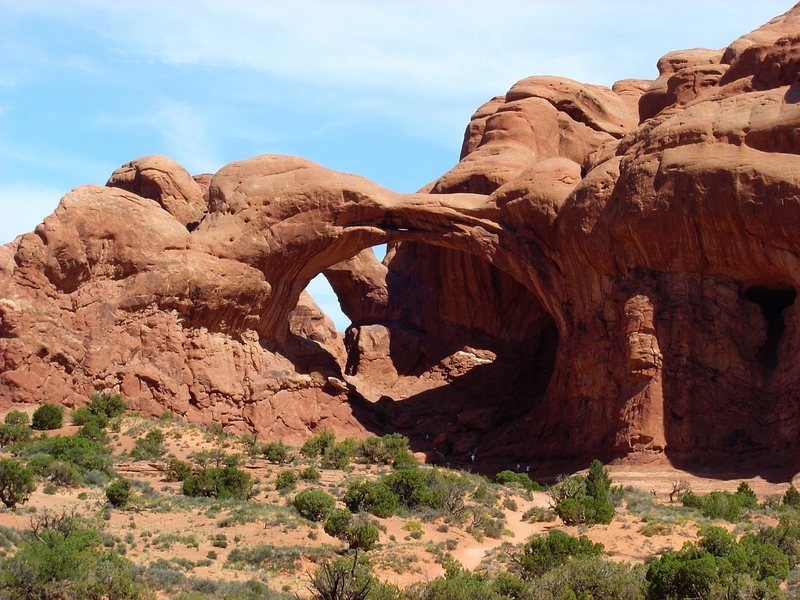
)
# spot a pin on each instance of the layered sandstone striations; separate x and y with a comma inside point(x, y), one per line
point(604, 272)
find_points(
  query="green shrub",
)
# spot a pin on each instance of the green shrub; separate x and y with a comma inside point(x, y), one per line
point(48, 416)
point(718, 566)
point(286, 481)
point(655, 527)
point(310, 474)
point(342, 579)
point(538, 514)
point(759, 560)
point(251, 444)
point(17, 417)
point(314, 505)
point(8, 538)
point(373, 497)
point(413, 487)
point(95, 478)
point(598, 489)
point(65, 559)
point(404, 460)
point(543, 553)
point(691, 500)
point(177, 470)
point(80, 416)
point(522, 479)
point(337, 523)
point(92, 430)
point(84, 415)
point(14, 434)
point(216, 457)
point(65, 474)
point(109, 404)
point(416, 487)
point(384, 450)
point(149, 447)
point(275, 452)
point(78, 450)
point(338, 455)
point(266, 556)
point(16, 483)
point(215, 430)
point(486, 522)
point(717, 541)
point(447, 492)
point(361, 535)
point(792, 497)
point(222, 482)
point(688, 573)
point(373, 451)
point(592, 577)
point(574, 511)
point(747, 495)
point(785, 535)
point(507, 585)
point(721, 505)
point(318, 444)
point(460, 584)
point(40, 464)
point(118, 492)
point(585, 500)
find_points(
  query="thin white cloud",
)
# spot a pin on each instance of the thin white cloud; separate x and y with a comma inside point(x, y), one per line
point(441, 48)
point(182, 128)
point(423, 64)
point(429, 49)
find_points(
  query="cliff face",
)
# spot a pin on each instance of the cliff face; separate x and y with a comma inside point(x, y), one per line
point(604, 272)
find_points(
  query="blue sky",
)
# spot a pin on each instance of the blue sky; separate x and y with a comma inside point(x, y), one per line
point(379, 88)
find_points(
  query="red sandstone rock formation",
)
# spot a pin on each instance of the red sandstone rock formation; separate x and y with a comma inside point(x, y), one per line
point(605, 272)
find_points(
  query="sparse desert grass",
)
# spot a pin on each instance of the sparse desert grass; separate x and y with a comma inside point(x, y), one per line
point(655, 527)
point(200, 547)
point(256, 512)
point(539, 514)
point(165, 541)
point(275, 559)
point(397, 561)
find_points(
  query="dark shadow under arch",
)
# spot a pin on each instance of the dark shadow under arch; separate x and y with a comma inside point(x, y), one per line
point(482, 339)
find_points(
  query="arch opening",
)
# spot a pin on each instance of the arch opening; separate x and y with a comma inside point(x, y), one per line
point(326, 298)
point(443, 346)
point(321, 292)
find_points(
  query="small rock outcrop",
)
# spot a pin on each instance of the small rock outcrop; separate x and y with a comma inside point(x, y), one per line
point(605, 272)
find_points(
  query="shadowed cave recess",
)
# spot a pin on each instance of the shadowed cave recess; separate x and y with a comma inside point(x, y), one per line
point(445, 348)
point(772, 301)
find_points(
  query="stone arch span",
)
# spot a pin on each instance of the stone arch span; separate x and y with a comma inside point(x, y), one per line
point(292, 219)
